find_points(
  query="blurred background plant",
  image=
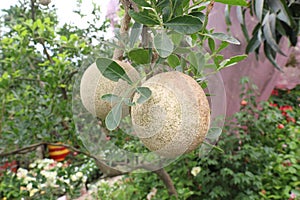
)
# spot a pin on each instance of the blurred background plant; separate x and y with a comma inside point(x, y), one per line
point(48, 179)
point(38, 62)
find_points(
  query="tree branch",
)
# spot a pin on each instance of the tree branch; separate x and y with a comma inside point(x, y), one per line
point(46, 51)
point(69, 77)
point(33, 10)
point(165, 177)
point(22, 150)
point(128, 5)
point(108, 171)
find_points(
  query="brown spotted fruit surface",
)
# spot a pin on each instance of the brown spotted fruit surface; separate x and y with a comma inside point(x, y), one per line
point(94, 85)
point(176, 118)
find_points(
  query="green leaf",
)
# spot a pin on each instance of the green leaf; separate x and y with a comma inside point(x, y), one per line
point(139, 56)
point(163, 44)
point(147, 17)
point(142, 3)
point(173, 61)
point(232, 61)
point(258, 8)
point(255, 41)
point(182, 50)
point(63, 38)
point(269, 31)
point(113, 118)
point(218, 58)
point(233, 2)
point(211, 44)
point(176, 38)
point(128, 102)
point(111, 98)
point(240, 12)
point(112, 70)
point(213, 147)
point(177, 7)
point(145, 94)
point(283, 12)
point(227, 15)
point(185, 24)
point(222, 46)
point(214, 133)
point(253, 44)
point(223, 37)
point(270, 54)
point(200, 15)
point(166, 13)
point(197, 60)
point(135, 33)
point(183, 64)
point(270, 19)
point(161, 4)
point(240, 15)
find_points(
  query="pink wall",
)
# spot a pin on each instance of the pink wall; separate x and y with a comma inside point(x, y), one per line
point(261, 72)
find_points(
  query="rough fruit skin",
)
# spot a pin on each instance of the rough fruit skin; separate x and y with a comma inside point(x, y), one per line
point(176, 118)
point(94, 85)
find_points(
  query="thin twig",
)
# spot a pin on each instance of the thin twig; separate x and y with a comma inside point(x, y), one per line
point(69, 77)
point(33, 10)
point(22, 150)
point(41, 41)
point(34, 146)
point(208, 10)
point(165, 177)
point(28, 79)
point(46, 51)
point(106, 170)
point(128, 5)
point(64, 93)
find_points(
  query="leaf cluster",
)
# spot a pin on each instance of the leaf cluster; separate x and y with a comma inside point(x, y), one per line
point(276, 19)
point(166, 35)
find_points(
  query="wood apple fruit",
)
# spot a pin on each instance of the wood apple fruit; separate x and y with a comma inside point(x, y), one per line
point(94, 85)
point(176, 118)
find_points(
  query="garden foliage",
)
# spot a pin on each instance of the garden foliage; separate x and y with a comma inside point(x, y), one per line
point(260, 159)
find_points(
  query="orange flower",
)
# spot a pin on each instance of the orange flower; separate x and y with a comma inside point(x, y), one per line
point(244, 102)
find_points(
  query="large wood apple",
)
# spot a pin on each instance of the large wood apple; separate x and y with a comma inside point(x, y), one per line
point(176, 118)
point(94, 85)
